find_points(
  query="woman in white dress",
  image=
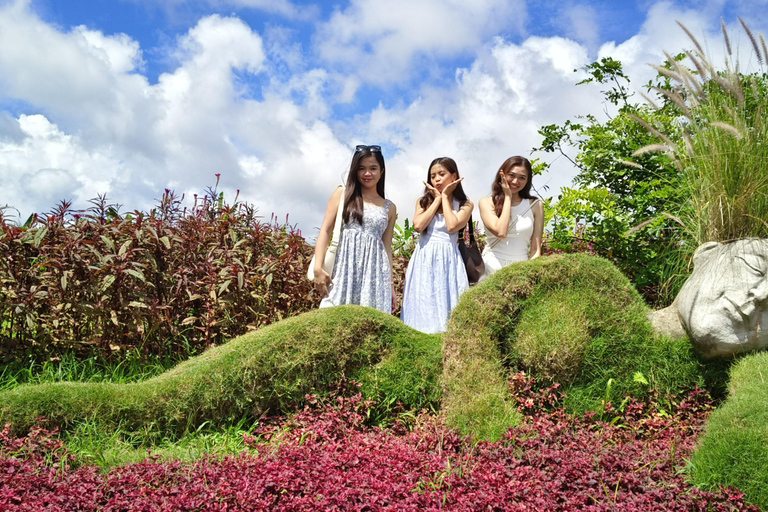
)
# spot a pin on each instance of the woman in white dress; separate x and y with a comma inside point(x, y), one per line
point(513, 218)
point(436, 275)
point(362, 270)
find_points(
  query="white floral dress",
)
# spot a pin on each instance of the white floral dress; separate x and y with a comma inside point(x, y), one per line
point(361, 272)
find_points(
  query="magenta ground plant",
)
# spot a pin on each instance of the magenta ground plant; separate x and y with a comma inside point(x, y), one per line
point(324, 457)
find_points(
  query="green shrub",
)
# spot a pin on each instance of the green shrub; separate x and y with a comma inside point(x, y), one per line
point(267, 371)
point(71, 366)
point(569, 318)
point(734, 447)
point(717, 145)
point(615, 208)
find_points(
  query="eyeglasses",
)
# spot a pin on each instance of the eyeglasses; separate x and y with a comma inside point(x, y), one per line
point(363, 147)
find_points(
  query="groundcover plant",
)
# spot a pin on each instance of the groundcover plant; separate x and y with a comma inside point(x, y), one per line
point(324, 457)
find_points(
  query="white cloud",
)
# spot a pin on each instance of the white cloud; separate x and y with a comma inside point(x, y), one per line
point(492, 112)
point(251, 166)
point(379, 41)
point(10, 131)
point(74, 73)
point(50, 185)
point(47, 166)
point(580, 23)
point(260, 112)
point(115, 133)
point(119, 52)
point(660, 32)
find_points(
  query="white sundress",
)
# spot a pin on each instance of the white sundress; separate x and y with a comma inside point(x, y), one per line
point(361, 271)
point(434, 279)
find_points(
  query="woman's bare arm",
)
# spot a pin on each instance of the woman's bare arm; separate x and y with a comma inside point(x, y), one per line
point(423, 216)
point(387, 239)
point(322, 279)
point(538, 230)
point(458, 220)
point(498, 225)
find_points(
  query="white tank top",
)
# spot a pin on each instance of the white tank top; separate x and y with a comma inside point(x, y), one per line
point(515, 246)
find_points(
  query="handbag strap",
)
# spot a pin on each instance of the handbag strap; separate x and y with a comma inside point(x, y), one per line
point(339, 215)
point(471, 231)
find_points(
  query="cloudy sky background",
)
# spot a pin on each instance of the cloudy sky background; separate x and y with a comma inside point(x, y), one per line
point(129, 97)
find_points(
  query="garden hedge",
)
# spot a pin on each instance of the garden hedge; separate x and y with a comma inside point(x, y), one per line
point(734, 447)
point(266, 371)
point(573, 319)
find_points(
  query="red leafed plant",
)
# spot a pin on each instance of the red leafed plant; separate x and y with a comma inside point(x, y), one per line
point(173, 279)
point(325, 458)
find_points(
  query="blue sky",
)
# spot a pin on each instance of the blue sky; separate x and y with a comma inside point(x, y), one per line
point(128, 97)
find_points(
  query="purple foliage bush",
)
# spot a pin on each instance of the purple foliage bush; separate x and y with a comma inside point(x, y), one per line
point(325, 458)
point(171, 280)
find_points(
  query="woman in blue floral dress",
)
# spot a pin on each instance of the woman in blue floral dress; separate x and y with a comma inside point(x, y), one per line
point(362, 271)
point(436, 275)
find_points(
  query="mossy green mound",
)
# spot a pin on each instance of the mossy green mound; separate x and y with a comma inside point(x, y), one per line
point(734, 447)
point(574, 319)
point(269, 370)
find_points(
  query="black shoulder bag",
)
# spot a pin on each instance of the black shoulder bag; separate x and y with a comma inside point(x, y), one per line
point(471, 255)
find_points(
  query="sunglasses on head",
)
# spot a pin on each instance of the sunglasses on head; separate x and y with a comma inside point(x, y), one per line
point(363, 147)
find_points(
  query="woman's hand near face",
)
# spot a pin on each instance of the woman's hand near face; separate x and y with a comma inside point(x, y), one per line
point(422, 216)
point(454, 221)
point(432, 190)
point(449, 188)
point(504, 185)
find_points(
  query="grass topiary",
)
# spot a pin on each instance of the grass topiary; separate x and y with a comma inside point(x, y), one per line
point(574, 319)
point(734, 447)
point(268, 370)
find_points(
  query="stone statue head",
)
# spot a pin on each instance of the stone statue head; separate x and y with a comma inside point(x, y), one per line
point(724, 303)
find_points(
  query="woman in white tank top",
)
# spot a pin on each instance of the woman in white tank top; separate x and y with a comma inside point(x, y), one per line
point(513, 218)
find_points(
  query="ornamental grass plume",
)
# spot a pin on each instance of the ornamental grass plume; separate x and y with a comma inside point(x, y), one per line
point(721, 151)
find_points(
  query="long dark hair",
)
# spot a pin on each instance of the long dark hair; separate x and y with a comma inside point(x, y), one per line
point(353, 200)
point(451, 167)
point(497, 193)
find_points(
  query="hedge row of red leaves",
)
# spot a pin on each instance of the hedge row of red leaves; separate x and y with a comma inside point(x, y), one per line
point(175, 279)
point(325, 458)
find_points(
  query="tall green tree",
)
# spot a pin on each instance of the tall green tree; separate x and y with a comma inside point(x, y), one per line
point(623, 202)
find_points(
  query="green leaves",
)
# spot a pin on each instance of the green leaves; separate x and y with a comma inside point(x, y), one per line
point(609, 71)
point(404, 239)
point(136, 273)
point(617, 208)
point(39, 235)
point(107, 281)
